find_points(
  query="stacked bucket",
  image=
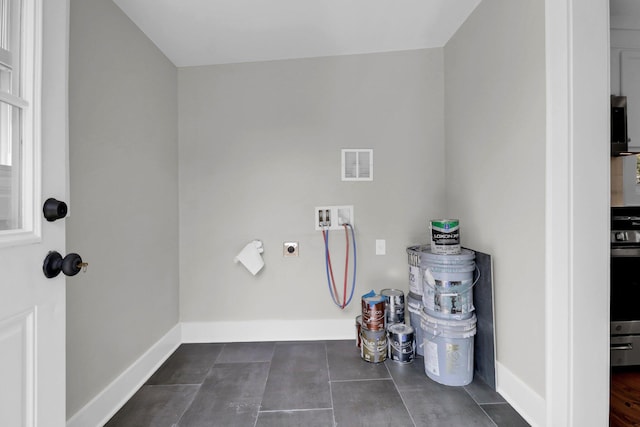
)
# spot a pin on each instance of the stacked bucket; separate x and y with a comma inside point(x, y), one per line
point(446, 313)
point(414, 298)
point(381, 329)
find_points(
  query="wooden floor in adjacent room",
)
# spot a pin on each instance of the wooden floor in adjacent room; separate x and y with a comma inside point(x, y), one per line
point(625, 397)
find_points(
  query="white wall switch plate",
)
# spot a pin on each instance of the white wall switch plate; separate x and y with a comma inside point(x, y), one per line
point(381, 247)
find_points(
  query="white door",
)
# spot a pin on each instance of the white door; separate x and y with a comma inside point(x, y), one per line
point(33, 135)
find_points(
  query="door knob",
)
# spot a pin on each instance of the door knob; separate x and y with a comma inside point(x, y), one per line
point(54, 209)
point(70, 265)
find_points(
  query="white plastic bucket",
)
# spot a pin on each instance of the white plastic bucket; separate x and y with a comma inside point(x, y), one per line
point(415, 307)
point(448, 350)
point(448, 291)
point(415, 254)
point(465, 257)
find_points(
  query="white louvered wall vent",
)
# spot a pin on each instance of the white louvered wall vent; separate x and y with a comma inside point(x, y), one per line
point(357, 164)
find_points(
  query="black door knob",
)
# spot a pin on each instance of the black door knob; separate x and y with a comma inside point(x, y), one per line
point(70, 265)
point(54, 209)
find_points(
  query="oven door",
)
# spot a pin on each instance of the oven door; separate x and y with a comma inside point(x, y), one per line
point(625, 306)
point(625, 291)
point(625, 350)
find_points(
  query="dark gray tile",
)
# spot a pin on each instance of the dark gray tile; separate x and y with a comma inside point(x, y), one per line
point(345, 363)
point(241, 352)
point(433, 404)
point(408, 376)
point(436, 405)
point(306, 418)
point(482, 393)
point(229, 396)
point(504, 415)
point(189, 364)
point(369, 403)
point(155, 406)
point(298, 378)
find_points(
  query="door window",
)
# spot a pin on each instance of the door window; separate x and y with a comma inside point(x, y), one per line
point(20, 42)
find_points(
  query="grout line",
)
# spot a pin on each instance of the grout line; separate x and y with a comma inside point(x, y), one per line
point(333, 411)
point(400, 394)
point(294, 410)
point(264, 389)
point(219, 353)
point(187, 407)
point(171, 385)
point(488, 416)
point(361, 379)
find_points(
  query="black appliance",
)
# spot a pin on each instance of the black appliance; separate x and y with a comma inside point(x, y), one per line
point(625, 286)
point(619, 135)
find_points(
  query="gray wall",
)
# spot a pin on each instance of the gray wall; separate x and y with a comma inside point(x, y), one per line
point(495, 167)
point(124, 204)
point(260, 148)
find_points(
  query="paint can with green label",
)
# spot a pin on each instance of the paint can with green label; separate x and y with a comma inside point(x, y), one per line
point(445, 236)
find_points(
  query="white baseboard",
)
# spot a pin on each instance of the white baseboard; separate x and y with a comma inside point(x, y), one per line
point(529, 404)
point(102, 407)
point(269, 330)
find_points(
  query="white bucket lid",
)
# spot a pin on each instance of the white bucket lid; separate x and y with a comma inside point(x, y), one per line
point(466, 327)
point(418, 249)
point(465, 256)
point(450, 268)
point(415, 307)
point(415, 254)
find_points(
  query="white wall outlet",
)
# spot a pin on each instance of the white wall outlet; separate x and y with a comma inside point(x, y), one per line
point(381, 247)
point(290, 249)
point(332, 217)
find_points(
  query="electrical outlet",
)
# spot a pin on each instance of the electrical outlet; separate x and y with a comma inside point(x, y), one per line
point(332, 217)
point(290, 249)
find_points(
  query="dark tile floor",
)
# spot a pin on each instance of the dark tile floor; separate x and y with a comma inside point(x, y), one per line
point(320, 383)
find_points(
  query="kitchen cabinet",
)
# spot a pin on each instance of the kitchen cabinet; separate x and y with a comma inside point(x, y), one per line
point(630, 87)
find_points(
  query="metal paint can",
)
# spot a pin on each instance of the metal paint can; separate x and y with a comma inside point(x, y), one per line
point(358, 329)
point(401, 342)
point(373, 311)
point(445, 236)
point(374, 345)
point(394, 305)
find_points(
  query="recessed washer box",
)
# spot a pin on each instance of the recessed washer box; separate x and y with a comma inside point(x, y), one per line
point(333, 217)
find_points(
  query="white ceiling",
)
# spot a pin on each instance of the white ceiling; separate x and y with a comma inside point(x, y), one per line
point(206, 32)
